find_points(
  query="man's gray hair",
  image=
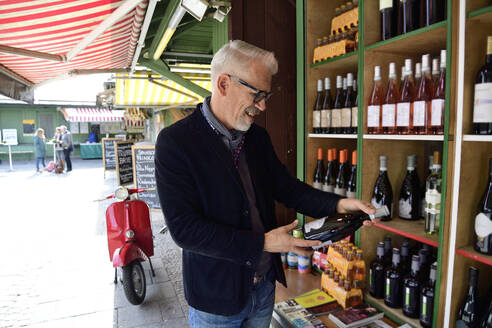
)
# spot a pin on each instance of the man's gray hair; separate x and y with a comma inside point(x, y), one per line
point(236, 56)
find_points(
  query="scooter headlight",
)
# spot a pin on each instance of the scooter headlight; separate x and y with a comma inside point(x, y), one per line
point(130, 234)
point(121, 193)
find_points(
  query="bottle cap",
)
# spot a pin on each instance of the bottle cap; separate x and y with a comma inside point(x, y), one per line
point(435, 66)
point(327, 83)
point(354, 157)
point(350, 79)
point(339, 81)
point(408, 67)
point(380, 249)
point(489, 45)
point(344, 82)
point(415, 263)
point(396, 255)
point(411, 162)
point(404, 248)
point(383, 160)
point(392, 71)
point(335, 153)
point(330, 155)
point(443, 58)
point(425, 63)
point(418, 70)
point(380, 212)
point(320, 85)
point(431, 160)
point(320, 154)
point(473, 276)
point(437, 158)
point(343, 156)
point(402, 72)
point(432, 274)
point(422, 257)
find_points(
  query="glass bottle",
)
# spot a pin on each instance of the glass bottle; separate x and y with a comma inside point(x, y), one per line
point(376, 273)
point(409, 202)
point(326, 108)
point(411, 290)
point(388, 120)
point(375, 104)
point(393, 282)
point(341, 185)
point(382, 192)
point(433, 196)
point(482, 116)
point(355, 110)
point(352, 182)
point(328, 183)
point(427, 299)
point(436, 117)
point(468, 315)
point(404, 107)
point(317, 108)
point(336, 113)
point(423, 103)
point(319, 172)
point(483, 220)
point(348, 103)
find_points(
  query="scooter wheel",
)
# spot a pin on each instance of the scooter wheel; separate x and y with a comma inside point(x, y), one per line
point(134, 283)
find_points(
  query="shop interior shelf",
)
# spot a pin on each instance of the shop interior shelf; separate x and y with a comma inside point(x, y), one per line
point(426, 38)
point(333, 136)
point(409, 229)
point(474, 137)
point(483, 14)
point(404, 137)
point(470, 252)
point(350, 58)
point(394, 314)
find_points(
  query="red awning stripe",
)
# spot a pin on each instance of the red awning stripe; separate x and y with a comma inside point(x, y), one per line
point(92, 115)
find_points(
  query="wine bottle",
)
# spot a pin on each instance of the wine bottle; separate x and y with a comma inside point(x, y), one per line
point(336, 112)
point(405, 258)
point(317, 108)
point(330, 230)
point(486, 321)
point(388, 255)
point(393, 282)
point(468, 314)
point(375, 104)
point(348, 103)
point(404, 107)
point(376, 273)
point(430, 12)
point(344, 89)
point(436, 117)
point(482, 108)
point(382, 192)
point(411, 290)
point(355, 111)
point(424, 264)
point(352, 182)
point(422, 191)
point(483, 220)
point(387, 27)
point(418, 73)
point(422, 104)
point(435, 71)
point(402, 78)
point(433, 197)
point(409, 202)
point(427, 299)
point(319, 172)
point(341, 184)
point(388, 120)
point(326, 108)
point(407, 15)
point(330, 180)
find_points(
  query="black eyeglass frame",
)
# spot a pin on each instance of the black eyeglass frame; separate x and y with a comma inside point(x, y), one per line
point(259, 94)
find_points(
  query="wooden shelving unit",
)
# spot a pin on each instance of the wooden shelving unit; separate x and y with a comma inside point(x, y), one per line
point(347, 59)
point(477, 138)
point(404, 137)
point(470, 252)
point(333, 136)
point(394, 314)
point(409, 229)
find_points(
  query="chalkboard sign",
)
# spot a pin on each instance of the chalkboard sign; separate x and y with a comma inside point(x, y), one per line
point(144, 176)
point(109, 156)
point(124, 163)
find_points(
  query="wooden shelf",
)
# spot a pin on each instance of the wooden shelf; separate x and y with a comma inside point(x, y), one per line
point(351, 59)
point(333, 136)
point(410, 229)
point(470, 252)
point(426, 38)
point(404, 137)
point(394, 314)
point(475, 137)
point(482, 14)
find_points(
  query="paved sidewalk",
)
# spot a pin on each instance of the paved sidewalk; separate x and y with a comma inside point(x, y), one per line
point(55, 269)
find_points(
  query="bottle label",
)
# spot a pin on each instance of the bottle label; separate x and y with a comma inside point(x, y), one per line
point(387, 288)
point(383, 4)
point(403, 114)
point(346, 119)
point(354, 117)
point(351, 194)
point(336, 118)
point(404, 208)
point(292, 260)
point(424, 305)
point(340, 191)
point(325, 118)
point(328, 188)
point(316, 118)
point(389, 115)
point(419, 113)
point(373, 116)
point(433, 201)
point(483, 225)
point(370, 279)
point(317, 185)
point(482, 106)
point(407, 296)
point(437, 110)
point(313, 225)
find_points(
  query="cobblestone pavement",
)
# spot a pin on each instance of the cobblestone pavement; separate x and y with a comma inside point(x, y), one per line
point(55, 269)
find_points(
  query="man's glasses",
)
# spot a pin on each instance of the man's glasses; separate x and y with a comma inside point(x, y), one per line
point(259, 94)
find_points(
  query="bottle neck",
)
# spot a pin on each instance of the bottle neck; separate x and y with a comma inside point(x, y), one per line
point(488, 59)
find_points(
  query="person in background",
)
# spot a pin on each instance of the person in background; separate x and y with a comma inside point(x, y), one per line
point(217, 178)
point(67, 145)
point(39, 148)
point(93, 135)
point(57, 139)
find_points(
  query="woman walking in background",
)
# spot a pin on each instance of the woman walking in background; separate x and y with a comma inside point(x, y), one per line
point(39, 148)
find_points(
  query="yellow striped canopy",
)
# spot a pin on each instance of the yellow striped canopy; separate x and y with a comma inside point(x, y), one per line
point(137, 90)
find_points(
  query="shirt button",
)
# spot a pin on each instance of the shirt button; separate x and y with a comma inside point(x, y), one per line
point(248, 263)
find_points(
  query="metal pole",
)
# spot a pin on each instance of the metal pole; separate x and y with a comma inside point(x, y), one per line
point(10, 158)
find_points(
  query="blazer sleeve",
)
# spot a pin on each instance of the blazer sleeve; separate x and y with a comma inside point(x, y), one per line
point(181, 205)
point(294, 193)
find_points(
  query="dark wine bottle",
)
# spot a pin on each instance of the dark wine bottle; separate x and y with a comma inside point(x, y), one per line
point(405, 258)
point(355, 111)
point(430, 12)
point(330, 230)
point(482, 109)
point(410, 199)
point(468, 314)
point(341, 184)
point(486, 321)
point(424, 264)
point(376, 273)
point(348, 104)
point(382, 192)
point(411, 290)
point(317, 108)
point(336, 112)
point(319, 172)
point(329, 180)
point(433, 197)
point(393, 295)
point(427, 299)
point(388, 255)
point(483, 220)
point(352, 182)
point(407, 15)
point(326, 108)
point(387, 27)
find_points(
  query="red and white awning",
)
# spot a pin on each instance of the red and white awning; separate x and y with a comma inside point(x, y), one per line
point(93, 115)
point(56, 26)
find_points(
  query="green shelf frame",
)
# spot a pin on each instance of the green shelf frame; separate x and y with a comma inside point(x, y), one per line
point(481, 11)
point(335, 59)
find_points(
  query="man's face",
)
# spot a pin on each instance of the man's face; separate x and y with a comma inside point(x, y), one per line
point(243, 109)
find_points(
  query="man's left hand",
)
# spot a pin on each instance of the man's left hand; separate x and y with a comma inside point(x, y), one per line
point(348, 205)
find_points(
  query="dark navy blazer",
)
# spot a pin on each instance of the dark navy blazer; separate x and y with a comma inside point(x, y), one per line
point(207, 211)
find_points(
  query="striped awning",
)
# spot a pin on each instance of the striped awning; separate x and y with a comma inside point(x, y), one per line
point(138, 90)
point(92, 115)
point(56, 26)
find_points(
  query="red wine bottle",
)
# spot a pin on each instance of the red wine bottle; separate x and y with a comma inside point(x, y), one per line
point(341, 184)
point(483, 220)
point(410, 199)
point(326, 108)
point(482, 109)
point(411, 290)
point(317, 108)
point(330, 179)
point(352, 182)
point(387, 252)
point(336, 112)
point(468, 314)
point(405, 259)
point(394, 282)
point(319, 172)
point(348, 104)
point(376, 273)
point(427, 299)
point(387, 27)
point(382, 192)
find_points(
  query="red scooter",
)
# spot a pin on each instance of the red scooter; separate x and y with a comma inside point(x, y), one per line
point(130, 241)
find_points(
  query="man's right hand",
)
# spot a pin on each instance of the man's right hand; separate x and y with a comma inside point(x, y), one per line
point(278, 240)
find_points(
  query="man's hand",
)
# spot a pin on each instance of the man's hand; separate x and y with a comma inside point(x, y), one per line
point(347, 205)
point(279, 240)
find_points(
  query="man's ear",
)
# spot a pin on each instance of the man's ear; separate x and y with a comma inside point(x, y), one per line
point(223, 84)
